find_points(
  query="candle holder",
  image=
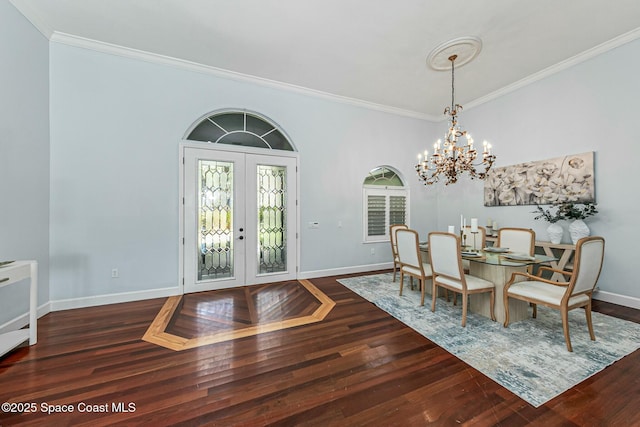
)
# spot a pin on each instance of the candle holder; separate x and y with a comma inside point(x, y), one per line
point(474, 241)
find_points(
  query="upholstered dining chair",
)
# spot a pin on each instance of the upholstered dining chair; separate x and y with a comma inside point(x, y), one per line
point(410, 260)
point(563, 296)
point(394, 246)
point(447, 270)
point(521, 240)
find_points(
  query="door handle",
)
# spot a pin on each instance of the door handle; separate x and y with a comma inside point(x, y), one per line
point(241, 237)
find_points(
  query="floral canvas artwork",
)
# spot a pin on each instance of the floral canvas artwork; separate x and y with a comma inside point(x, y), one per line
point(552, 181)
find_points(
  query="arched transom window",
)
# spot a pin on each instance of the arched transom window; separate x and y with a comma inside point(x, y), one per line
point(240, 128)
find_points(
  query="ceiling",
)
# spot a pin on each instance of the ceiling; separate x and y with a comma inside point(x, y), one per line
point(363, 51)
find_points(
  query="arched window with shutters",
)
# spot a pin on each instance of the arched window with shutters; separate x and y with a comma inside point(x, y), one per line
point(386, 202)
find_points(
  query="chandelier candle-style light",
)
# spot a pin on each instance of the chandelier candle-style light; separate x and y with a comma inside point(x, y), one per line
point(452, 158)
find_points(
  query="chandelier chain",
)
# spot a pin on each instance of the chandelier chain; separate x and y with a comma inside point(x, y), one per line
point(452, 58)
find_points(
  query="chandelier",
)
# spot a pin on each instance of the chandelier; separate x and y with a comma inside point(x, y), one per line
point(452, 158)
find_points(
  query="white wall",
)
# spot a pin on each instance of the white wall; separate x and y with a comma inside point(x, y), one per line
point(592, 106)
point(24, 154)
point(115, 128)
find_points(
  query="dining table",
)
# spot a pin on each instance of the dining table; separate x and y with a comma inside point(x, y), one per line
point(496, 265)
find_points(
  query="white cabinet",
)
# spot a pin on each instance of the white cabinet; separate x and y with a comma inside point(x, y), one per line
point(11, 273)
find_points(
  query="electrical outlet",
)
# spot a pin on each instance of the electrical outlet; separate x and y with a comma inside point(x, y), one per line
point(115, 273)
point(373, 251)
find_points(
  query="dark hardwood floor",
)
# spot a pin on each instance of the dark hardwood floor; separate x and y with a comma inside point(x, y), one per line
point(358, 366)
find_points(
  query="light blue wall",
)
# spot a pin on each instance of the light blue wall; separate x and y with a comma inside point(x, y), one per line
point(116, 124)
point(592, 106)
point(24, 154)
point(115, 128)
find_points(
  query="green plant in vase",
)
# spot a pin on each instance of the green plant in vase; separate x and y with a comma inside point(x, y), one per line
point(578, 212)
point(552, 215)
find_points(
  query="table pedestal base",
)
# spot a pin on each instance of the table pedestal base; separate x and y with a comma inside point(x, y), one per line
point(499, 275)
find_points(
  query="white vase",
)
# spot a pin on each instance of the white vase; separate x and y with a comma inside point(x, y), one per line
point(555, 232)
point(578, 229)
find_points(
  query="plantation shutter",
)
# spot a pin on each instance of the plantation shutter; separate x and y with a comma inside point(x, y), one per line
point(397, 210)
point(376, 214)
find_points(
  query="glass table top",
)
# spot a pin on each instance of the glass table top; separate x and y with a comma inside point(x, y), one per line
point(507, 259)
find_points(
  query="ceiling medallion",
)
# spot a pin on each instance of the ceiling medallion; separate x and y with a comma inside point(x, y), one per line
point(466, 49)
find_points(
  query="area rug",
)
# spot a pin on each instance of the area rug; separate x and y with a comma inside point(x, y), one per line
point(529, 357)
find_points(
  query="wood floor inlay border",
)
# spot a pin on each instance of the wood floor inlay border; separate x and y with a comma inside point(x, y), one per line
point(157, 331)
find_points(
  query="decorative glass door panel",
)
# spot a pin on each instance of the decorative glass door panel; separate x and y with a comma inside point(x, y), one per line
point(239, 219)
point(272, 217)
point(272, 205)
point(215, 220)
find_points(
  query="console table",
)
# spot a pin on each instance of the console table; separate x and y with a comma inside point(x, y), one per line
point(15, 272)
point(565, 256)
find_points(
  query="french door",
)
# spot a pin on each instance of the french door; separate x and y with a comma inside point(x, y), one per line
point(239, 219)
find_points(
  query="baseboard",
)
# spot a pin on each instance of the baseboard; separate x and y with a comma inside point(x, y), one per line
point(344, 270)
point(23, 320)
point(624, 300)
point(93, 301)
point(58, 305)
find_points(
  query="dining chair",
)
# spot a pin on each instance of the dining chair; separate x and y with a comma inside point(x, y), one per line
point(520, 240)
point(394, 246)
point(410, 260)
point(563, 296)
point(447, 270)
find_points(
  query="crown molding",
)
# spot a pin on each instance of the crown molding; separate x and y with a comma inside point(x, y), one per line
point(85, 43)
point(556, 68)
point(77, 41)
point(33, 17)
